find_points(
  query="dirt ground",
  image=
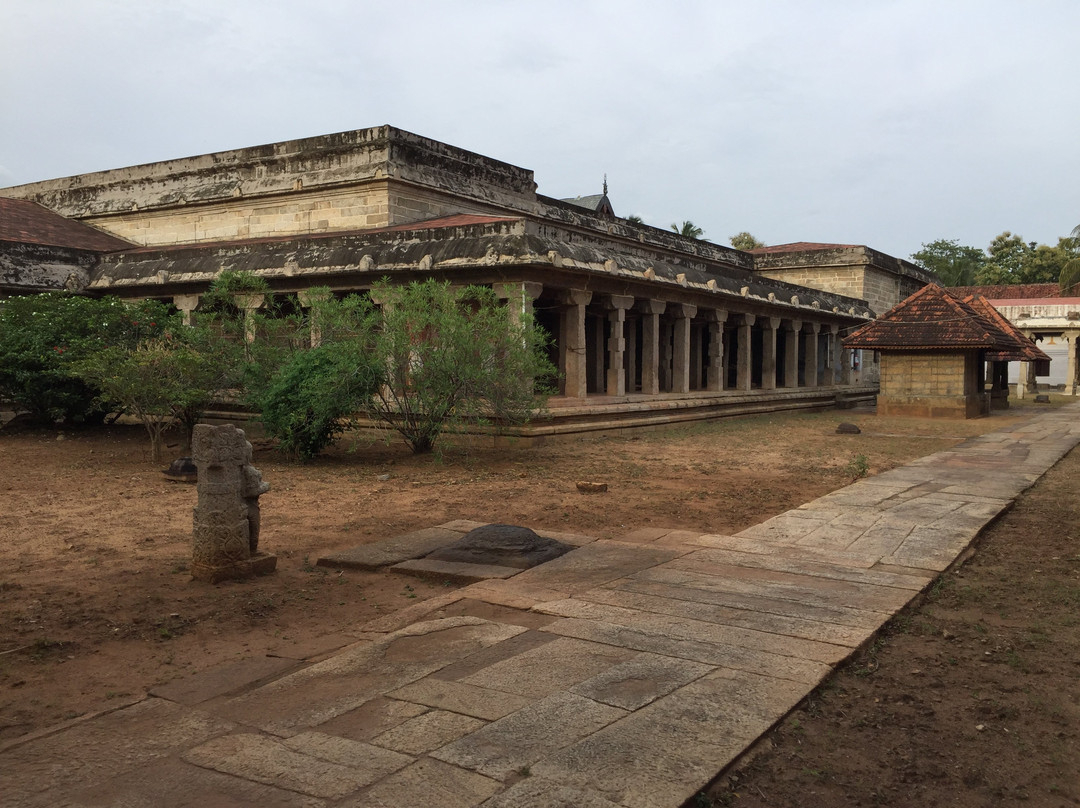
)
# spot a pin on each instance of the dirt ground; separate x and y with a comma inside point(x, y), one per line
point(96, 602)
point(972, 698)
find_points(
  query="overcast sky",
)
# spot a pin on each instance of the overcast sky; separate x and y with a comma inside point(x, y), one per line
point(888, 123)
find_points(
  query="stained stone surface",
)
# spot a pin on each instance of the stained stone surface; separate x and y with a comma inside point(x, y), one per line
point(501, 546)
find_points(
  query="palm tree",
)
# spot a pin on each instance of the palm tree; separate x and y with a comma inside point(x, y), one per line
point(688, 229)
point(1070, 272)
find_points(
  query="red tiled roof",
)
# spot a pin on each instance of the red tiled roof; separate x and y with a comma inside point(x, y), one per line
point(442, 222)
point(932, 318)
point(1024, 350)
point(27, 222)
point(799, 246)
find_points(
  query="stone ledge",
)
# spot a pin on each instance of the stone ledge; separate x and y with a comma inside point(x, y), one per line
point(456, 571)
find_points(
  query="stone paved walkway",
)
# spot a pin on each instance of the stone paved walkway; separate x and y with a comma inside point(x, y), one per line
point(625, 674)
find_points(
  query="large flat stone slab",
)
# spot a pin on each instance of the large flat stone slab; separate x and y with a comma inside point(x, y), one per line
point(428, 782)
point(325, 690)
point(94, 752)
point(513, 744)
point(391, 551)
point(479, 702)
point(458, 572)
point(548, 668)
point(540, 792)
point(595, 564)
point(426, 732)
point(664, 753)
point(314, 764)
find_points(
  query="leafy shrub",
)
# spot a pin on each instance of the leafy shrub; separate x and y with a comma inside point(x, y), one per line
point(310, 400)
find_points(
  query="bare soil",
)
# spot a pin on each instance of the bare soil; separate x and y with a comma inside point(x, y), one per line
point(971, 698)
point(96, 602)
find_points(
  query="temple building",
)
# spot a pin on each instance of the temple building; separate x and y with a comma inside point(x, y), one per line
point(647, 326)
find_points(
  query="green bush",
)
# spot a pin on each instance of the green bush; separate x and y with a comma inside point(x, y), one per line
point(312, 397)
point(42, 336)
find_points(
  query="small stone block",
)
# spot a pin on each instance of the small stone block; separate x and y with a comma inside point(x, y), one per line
point(456, 571)
point(591, 487)
point(1042, 398)
point(848, 429)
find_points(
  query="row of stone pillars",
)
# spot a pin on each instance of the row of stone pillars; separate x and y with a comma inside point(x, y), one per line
point(686, 350)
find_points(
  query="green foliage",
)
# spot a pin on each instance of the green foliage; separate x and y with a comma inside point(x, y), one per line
point(162, 380)
point(41, 336)
point(688, 229)
point(313, 396)
point(858, 467)
point(954, 264)
point(1070, 270)
point(634, 219)
point(452, 356)
point(745, 241)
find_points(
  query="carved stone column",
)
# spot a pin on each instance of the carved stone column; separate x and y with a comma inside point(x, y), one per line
point(832, 356)
point(308, 299)
point(616, 306)
point(768, 352)
point(791, 354)
point(1072, 372)
point(714, 374)
point(226, 518)
point(250, 304)
point(186, 305)
point(519, 298)
point(572, 339)
point(744, 366)
point(811, 357)
point(650, 345)
point(680, 363)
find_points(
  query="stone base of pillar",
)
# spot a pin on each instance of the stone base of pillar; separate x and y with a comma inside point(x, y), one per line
point(258, 564)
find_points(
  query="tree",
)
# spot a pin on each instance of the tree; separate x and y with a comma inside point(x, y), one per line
point(1070, 270)
point(954, 264)
point(43, 335)
point(634, 219)
point(688, 229)
point(1005, 264)
point(163, 381)
point(452, 356)
point(745, 241)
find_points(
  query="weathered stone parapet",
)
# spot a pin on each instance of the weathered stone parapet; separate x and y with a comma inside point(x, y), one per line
point(226, 518)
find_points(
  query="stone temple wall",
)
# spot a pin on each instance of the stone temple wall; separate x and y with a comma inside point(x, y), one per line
point(923, 384)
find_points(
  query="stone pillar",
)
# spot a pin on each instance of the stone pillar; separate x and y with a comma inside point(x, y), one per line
point(832, 356)
point(714, 374)
point(186, 305)
point(519, 299)
point(664, 366)
point(743, 368)
point(791, 354)
point(616, 306)
point(680, 363)
point(308, 300)
point(844, 370)
point(226, 519)
point(1072, 372)
point(572, 342)
point(250, 304)
point(650, 345)
point(811, 351)
point(768, 355)
point(595, 353)
point(630, 329)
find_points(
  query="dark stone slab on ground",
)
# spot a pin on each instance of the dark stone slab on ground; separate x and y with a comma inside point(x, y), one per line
point(847, 429)
point(501, 546)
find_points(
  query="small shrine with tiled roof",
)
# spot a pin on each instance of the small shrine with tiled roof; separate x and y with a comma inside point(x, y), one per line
point(934, 348)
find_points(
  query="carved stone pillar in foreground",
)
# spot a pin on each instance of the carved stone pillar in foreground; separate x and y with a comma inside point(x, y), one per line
point(680, 362)
point(650, 345)
point(616, 306)
point(714, 374)
point(811, 352)
point(226, 532)
point(744, 357)
point(791, 353)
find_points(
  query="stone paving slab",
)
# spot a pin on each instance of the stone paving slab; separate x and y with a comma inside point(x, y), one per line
point(459, 572)
point(625, 674)
point(392, 551)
